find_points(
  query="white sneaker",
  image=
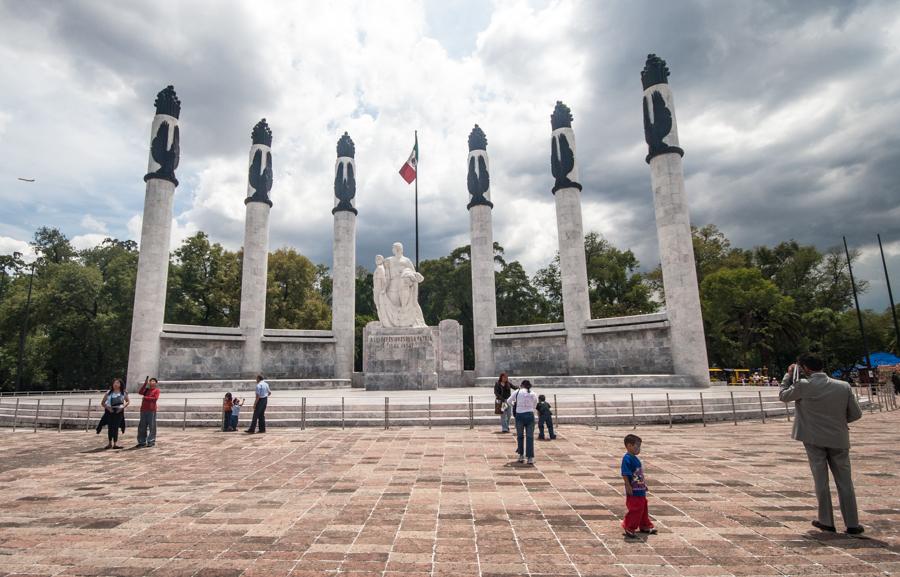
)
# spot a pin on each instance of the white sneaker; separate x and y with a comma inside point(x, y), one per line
point(521, 459)
point(531, 461)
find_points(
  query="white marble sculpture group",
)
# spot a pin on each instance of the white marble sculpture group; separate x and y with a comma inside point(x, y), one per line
point(396, 288)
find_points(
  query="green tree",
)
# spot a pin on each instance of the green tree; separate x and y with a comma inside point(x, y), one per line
point(204, 284)
point(293, 302)
point(744, 316)
point(614, 285)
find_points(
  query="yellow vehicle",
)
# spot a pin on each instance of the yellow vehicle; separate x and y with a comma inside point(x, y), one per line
point(730, 376)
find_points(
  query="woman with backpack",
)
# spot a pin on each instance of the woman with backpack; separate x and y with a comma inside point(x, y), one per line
point(524, 403)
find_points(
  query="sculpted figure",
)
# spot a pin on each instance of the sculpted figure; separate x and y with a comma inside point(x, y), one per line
point(396, 286)
point(382, 305)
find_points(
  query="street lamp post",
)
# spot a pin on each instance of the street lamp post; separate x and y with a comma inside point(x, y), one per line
point(20, 364)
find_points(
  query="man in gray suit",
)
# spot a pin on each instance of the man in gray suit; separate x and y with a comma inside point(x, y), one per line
point(824, 406)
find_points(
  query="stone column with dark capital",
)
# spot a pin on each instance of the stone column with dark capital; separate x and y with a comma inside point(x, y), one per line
point(673, 226)
point(256, 248)
point(484, 293)
point(343, 274)
point(572, 262)
point(156, 230)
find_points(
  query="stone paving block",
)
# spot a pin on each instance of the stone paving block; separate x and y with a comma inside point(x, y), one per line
point(415, 501)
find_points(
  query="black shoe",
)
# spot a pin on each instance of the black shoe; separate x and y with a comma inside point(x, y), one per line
point(824, 527)
point(151, 444)
point(858, 530)
point(650, 531)
point(630, 534)
point(249, 432)
point(140, 446)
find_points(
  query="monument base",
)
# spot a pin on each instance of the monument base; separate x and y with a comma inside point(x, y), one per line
point(414, 358)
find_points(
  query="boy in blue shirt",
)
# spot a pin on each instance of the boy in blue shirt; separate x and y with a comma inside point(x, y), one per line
point(638, 517)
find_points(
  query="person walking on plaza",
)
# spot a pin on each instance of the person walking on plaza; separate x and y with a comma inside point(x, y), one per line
point(259, 407)
point(823, 407)
point(502, 390)
point(638, 516)
point(524, 402)
point(545, 417)
point(227, 406)
point(147, 425)
point(114, 402)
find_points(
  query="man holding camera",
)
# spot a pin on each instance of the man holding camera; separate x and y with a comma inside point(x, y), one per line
point(823, 407)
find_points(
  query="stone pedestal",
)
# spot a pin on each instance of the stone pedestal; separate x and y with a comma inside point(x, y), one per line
point(413, 358)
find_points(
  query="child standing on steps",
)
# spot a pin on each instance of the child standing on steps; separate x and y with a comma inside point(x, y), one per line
point(545, 416)
point(235, 412)
point(638, 517)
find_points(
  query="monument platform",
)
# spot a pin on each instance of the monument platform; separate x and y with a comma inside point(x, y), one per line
point(412, 358)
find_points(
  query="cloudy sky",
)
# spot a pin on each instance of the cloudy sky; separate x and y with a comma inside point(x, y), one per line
point(787, 111)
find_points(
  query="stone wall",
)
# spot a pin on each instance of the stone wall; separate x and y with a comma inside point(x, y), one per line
point(633, 345)
point(200, 353)
point(216, 353)
point(531, 350)
point(299, 358)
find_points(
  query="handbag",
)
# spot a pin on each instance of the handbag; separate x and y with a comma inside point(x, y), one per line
point(498, 407)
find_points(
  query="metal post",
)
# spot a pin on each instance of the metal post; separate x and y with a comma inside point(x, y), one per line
point(633, 417)
point(702, 410)
point(862, 330)
point(890, 293)
point(342, 412)
point(733, 411)
point(669, 410)
point(762, 411)
point(429, 411)
point(387, 421)
point(471, 413)
point(871, 401)
point(62, 403)
point(596, 418)
point(87, 420)
point(15, 415)
point(184, 415)
point(556, 406)
point(37, 410)
point(303, 413)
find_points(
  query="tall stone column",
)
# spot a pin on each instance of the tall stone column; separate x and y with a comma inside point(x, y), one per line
point(572, 262)
point(156, 230)
point(343, 274)
point(484, 292)
point(256, 249)
point(673, 227)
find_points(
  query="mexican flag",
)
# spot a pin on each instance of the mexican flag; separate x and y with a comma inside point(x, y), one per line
point(408, 170)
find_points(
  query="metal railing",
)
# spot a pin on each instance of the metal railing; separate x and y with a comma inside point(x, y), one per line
point(582, 408)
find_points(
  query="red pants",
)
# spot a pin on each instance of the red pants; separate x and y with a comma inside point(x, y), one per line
point(637, 516)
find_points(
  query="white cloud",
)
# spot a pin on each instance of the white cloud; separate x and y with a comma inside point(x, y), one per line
point(90, 240)
point(90, 223)
point(769, 128)
point(10, 245)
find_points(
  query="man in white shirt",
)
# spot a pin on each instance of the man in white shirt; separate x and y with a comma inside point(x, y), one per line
point(259, 406)
point(525, 402)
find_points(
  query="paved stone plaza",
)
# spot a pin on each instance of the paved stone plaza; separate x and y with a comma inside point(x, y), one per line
point(728, 500)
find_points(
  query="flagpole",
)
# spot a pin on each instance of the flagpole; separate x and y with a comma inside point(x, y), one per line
point(417, 198)
point(887, 279)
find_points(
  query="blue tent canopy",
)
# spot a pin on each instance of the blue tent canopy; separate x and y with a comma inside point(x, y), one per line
point(879, 359)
